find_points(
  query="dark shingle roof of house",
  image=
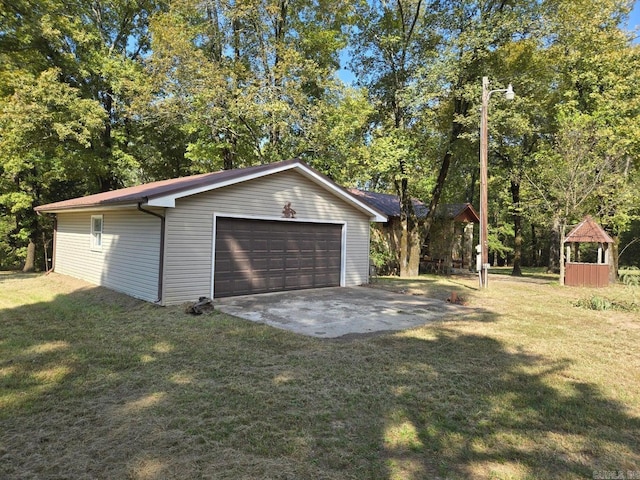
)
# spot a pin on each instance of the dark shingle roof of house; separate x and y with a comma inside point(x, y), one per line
point(390, 206)
point(588, 231)
point(461, 212)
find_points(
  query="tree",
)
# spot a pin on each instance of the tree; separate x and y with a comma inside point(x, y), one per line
point(46, 130)
point(391, 43)
point(590, 156)
point(251, 76)
point(59, 61)
point(422, 64)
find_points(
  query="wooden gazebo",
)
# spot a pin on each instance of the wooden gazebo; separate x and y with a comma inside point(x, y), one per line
point(580, 274)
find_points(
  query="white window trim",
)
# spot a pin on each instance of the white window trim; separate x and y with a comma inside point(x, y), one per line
point(94, 246)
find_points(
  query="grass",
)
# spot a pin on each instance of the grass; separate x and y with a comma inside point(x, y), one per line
point(94, 384)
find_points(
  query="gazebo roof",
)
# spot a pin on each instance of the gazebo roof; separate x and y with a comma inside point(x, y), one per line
point(588, 231)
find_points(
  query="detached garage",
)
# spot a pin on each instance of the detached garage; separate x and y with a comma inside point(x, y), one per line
point(282, 226)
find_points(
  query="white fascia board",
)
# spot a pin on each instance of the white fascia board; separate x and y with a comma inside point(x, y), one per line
point(94, 208)
point(166, 202)
point(169, 201)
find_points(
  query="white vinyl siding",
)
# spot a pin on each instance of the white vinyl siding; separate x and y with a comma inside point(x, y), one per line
point(189, 234)
point(96, 232)
point(128, 260)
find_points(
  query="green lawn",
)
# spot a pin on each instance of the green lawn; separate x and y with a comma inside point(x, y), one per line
point(526, 386)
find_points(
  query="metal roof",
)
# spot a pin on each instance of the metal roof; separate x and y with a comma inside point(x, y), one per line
point(164, 193)
point(588, 231)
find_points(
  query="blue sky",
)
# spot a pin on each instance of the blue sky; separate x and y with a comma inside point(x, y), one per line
point(634, 18)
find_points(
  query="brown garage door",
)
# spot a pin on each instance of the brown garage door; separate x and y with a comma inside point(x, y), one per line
point(258, 256)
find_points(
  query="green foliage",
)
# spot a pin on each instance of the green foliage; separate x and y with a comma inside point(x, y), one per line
point(46, 131)
point(629, 248)
point(10, 257)
point(596, 302)
point(66, 77)
point(499, 238)
point(99, 95)
point(630, 276)
point(336, 141)
point(383, 258)
point(251, 82)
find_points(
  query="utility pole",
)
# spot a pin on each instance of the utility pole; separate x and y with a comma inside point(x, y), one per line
point(484, 154)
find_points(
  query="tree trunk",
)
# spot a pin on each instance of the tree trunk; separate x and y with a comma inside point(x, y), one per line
point(409, 252)
point(227, 159)
point(30, 261)
point(461, 108)
point(535, 257)
point(415, 248)
point(613, 259)
point(553, 266)
point(517, 229)
point(410, 238)
point(45, 248)
point(107, 179)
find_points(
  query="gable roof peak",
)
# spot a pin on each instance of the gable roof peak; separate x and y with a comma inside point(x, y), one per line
point(164, 193)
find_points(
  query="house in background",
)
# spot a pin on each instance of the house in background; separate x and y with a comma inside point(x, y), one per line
point(450, 241)
point(281, 226)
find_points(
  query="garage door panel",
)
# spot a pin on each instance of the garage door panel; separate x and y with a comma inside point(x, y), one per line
point(259, 283)
point(256, 256)
point(333, 263)
point(260, 245)
point(257, 264)
point(292, 263)
point(277, 245)
point(293, 245)
point(224, 265)
point(276, 263)
point(292, 282)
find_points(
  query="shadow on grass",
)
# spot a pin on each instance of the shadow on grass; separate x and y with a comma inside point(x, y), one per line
point(537, 273)
point(96, 385)
point(433, 286)
point(484, 412)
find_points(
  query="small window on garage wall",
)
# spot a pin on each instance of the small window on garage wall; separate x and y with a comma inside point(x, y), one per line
point(96, 232)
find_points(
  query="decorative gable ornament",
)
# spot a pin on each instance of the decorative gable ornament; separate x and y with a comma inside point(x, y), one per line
point(288, 212)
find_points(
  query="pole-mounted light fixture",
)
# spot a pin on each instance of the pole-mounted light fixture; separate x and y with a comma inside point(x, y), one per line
point(484, 153)
point(509, 94)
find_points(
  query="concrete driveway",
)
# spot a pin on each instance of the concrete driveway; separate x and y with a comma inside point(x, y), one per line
point(334, 312)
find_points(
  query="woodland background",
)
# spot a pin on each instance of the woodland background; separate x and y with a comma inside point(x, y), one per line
point(98, 95)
